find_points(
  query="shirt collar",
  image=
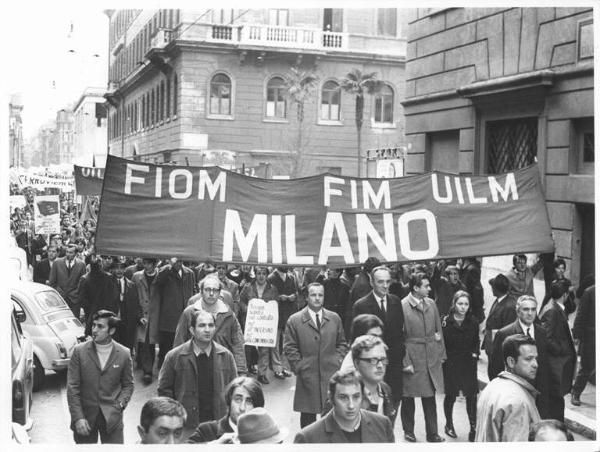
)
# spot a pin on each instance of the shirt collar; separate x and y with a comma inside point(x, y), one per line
point(524, 328)
point(502, 297)
point(198, 351)
point(414, 301)
point(313, 314)
point(232, 425)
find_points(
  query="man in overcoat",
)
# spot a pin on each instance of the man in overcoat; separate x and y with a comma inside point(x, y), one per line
point(64, 277)
point(425, 352)
point(176, 284)
point(41, 271)
point(526, 324)
point(584, 333)
point(562, 357)
point(128, 303)
point(99, 384)
point(502, 312)
point(196, 373)
point(315, 346)
point(147, 331)
point(96, 292)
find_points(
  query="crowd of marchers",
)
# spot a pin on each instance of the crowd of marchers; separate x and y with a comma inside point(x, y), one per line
point(362, 342)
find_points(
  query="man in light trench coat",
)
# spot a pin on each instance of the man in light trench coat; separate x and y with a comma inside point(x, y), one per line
point(314, 345)
point(425, 352)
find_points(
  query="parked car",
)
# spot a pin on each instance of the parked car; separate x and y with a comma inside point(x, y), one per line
point(17, 260)
point(22, 374)
point(48, 321)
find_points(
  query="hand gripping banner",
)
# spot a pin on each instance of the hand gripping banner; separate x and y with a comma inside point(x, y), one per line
point(196, 213)
point(88, 181)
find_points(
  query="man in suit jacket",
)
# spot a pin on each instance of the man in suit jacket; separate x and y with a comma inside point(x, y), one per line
point(314, 344)
point(561, 349)
point(584, 333)
point(99, 384)
point(503, 312)
point(388, 308)
point(64, 277)
point(128, 302)
point(96, 292)
point(41, 272)
point(361, 284)
point(347, 422)
point(525, 324)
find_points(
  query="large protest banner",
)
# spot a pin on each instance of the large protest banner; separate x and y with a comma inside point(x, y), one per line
point(41, 182)
point(261, 323)
point(88, 180)
point(46, 214)
point(197, 213)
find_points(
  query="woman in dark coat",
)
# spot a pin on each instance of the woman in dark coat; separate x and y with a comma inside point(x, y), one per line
point(461, 336)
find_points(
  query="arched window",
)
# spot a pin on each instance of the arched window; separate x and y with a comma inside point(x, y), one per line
point(276, 102)
point(220, 95)
point(384, 105)
point(330, 101)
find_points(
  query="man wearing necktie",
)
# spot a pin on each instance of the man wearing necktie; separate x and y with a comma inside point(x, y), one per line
point(127, 299)
point(314, 345)
point(64, 277)
point(561, 349)
point(526, 310)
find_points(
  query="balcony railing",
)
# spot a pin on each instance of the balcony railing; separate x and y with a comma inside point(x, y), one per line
point(292, 37)
point(161, 38)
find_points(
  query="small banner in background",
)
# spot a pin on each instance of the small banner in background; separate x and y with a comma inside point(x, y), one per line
point(46, 214)
point(88, 181)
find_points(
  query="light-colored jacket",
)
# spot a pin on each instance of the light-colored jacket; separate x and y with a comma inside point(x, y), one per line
point(506, 409)
point(314, 356)
point(150, 303)
point(425, 350)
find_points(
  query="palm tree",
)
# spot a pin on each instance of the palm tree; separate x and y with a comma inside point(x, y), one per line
point(359, 85)
point(300, 85)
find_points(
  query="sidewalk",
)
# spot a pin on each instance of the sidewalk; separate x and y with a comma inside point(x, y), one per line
point(581, 419)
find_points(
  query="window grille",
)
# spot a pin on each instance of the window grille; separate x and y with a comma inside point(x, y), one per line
point(511, 144)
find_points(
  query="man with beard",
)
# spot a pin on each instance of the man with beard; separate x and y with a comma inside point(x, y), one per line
point(506, 408)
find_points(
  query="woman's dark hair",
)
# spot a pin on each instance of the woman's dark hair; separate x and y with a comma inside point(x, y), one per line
point(249, 384)
point(363, 323)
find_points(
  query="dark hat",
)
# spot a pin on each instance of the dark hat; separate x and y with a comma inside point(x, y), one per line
point(500, 282)
point(116, 263)
point(258, 427)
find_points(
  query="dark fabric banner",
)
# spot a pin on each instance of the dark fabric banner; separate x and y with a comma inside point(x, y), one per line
point(197, 213)
point(88, 181)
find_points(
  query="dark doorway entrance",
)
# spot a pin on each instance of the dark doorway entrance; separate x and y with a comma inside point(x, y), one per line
point(588, 259)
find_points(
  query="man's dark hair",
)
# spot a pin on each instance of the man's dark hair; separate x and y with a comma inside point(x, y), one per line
point(512, 344)
point(416, 279)
point(557, 290)
point(113, 320)
point(551, 424)
point(160, 406)
point(349, 377)
point(558, 262)
point(517, 257)
point(72, 246)
point(370, 264)
point(151, 260)
point(500, 283)
point(197, 313)
point(363, 323)
point(249, 384)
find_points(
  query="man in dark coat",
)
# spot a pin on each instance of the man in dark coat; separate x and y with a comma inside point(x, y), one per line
point(561, 349)
point(337, 296)
point(362, 285)
point(96, 292)
point(503, 312)
point(584, 332)
point(470, 275)
point(241, 395)
point(176, 284)
point(287, 301)
point(126, 297)
point(526, 311)
point(41, 272)
point(64, 277)
point(138, 266)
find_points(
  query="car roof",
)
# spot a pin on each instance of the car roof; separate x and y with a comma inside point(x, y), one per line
point(28, 286)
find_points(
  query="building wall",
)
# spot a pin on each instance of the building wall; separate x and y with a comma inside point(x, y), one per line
point(456, 51)
point(90, 133)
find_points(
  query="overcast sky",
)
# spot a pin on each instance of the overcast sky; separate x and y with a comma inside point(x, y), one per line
point(52, 55)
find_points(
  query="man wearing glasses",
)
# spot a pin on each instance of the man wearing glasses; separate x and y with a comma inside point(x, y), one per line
point(228, 332)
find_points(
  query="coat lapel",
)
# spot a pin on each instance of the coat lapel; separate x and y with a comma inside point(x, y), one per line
point(94, 356)
point(366, 430)
point(333, 431)
point(306, 318)
point(114, 354)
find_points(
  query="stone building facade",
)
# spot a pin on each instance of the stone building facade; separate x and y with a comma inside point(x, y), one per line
point(489, 90)
point(90, 128)
point(208, 87)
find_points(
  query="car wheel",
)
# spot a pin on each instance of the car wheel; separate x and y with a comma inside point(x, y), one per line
point(38, 374)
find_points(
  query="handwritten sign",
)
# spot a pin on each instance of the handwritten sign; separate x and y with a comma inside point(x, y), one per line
point(261, 323)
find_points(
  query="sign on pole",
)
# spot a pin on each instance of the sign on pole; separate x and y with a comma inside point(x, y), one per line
point(47, 214)
point(261, 323)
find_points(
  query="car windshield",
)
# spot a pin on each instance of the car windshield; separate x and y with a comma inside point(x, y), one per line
point(49, 301)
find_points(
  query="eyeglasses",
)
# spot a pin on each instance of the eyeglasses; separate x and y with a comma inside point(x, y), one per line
point(375, 361)
point(212, 289)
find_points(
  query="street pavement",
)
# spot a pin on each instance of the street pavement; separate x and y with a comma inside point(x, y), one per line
point(51, 415)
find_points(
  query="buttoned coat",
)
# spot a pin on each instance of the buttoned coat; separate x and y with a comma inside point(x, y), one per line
point(542, 379)
point(425, 350)
point(314, 356)
point(561, 350)
point(462, 349)
point(90, 388)
point(130, 312)
point(96, 292)
point(374, 428)
point(501, 314)
point(175, 291)
point(178, 379)
point(150, 303)
point(65, 281)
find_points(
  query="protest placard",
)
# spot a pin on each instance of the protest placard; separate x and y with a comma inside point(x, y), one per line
point(46, 210)
point(261, 323)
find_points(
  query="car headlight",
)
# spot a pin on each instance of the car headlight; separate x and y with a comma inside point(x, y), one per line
point(62, 351)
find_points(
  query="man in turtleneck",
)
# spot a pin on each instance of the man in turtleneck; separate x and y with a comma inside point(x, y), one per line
point(228, 332)
point(99, 384)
